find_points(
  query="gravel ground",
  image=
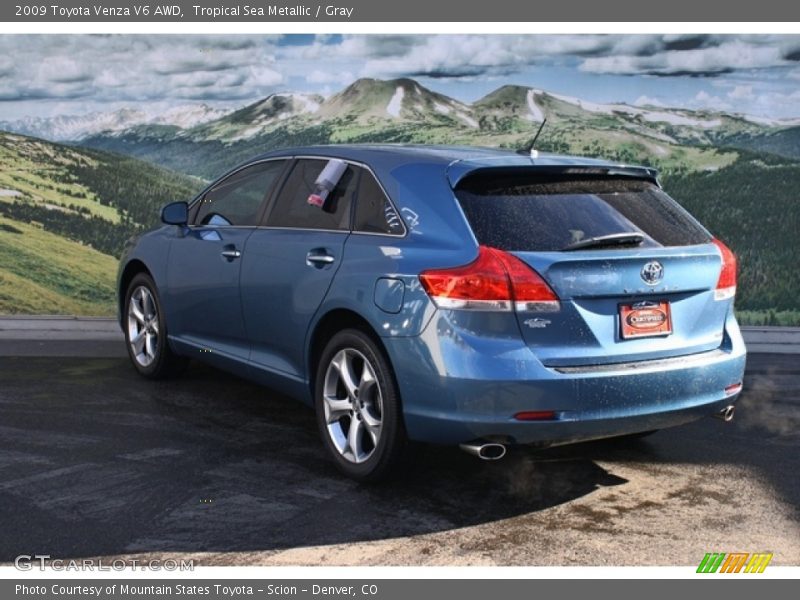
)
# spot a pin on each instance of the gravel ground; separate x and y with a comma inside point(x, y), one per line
point(95, 461)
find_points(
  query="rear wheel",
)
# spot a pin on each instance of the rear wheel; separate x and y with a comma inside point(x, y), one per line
point(358, 407)
point(146, 331)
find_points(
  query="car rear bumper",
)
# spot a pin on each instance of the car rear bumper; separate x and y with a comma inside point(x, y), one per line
point(466, 391)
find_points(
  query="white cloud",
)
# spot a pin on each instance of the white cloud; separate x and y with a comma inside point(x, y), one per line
point(88, 70)
point(466, 56)
point(138, 67)
point(648, 101)
point(730, 54)
point(329, 76)
point(741, 92)
point(264, 76)
point(704, 100)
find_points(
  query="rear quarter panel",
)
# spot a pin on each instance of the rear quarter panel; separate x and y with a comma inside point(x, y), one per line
point(437, 235)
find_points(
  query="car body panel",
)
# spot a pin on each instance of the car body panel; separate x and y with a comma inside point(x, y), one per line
point(593, 284)
point(202, 290)
point(481, 381)
point(282, 291)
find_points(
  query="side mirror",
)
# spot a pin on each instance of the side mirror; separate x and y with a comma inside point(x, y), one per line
point(175, 213)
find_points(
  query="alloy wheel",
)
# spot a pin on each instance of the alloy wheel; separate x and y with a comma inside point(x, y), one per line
point(143, 329)
point(353, 405)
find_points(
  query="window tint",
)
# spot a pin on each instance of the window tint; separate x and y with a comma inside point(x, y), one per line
point(237, 199)
point(293, 210)
point(374, 212)
point(513, 213)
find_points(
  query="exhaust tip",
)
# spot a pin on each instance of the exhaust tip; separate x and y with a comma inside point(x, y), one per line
point(485, 451)
point(726, 414)
point(492, 451)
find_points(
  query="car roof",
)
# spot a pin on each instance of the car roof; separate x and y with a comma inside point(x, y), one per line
point(456, 160)
point(399, 154)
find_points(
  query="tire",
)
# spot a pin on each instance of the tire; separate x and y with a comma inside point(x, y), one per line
point(145, 329)
point(358, 404)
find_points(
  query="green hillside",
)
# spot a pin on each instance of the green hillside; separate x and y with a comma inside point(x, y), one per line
point(64, 215)
point(44, 273)
point(206, 158)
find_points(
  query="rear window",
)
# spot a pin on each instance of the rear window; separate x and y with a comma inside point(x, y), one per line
point(515, 213)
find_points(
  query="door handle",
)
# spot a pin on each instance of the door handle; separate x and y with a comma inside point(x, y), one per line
point(231, 254)
point(319, 260)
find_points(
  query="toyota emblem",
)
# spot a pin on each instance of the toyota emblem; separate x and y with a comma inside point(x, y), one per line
point(652, 272)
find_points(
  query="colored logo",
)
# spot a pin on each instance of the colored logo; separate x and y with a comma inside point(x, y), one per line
point(734, 562)
point(646, 318)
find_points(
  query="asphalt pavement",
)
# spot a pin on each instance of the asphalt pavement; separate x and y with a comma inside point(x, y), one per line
point(96, 461)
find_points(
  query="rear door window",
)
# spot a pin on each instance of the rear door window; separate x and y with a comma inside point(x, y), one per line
point(292, 209)
point(523, 213)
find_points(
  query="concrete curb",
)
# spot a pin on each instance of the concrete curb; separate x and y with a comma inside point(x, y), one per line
point(54, 327)
point(772, 340)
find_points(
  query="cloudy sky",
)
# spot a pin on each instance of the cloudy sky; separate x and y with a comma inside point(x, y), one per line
point(48, 75)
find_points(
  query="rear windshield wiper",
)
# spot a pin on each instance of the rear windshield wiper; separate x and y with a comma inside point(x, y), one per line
point(612, 239)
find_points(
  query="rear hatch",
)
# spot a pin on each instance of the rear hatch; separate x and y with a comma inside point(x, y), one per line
point(635, 273)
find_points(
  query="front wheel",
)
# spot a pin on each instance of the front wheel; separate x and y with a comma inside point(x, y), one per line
point(146, 331)
point(358, 407)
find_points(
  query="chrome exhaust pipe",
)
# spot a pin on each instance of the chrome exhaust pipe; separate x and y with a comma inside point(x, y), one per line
point(726, 414)
point(485, 450)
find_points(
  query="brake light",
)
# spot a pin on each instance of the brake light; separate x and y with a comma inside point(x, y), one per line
point(496, 281)
point(726, 284)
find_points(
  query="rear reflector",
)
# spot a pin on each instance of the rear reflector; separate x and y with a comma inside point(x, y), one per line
point(535, 415)
point(733, 389)
point(726, 284)
point(495, 281)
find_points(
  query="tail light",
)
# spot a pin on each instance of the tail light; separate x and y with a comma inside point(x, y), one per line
point(726, 284)
point(495, 281)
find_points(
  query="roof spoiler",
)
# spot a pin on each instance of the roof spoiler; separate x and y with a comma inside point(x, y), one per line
point(458, 170)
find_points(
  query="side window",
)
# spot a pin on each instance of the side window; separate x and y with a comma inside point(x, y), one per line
point(374, 212)
point(237, 199)
point(293, 210)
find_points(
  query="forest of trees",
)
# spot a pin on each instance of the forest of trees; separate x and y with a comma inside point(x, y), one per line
point(754, 207)
point(135, 191)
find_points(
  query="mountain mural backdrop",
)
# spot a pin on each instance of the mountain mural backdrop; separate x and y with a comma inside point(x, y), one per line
point(74, 188)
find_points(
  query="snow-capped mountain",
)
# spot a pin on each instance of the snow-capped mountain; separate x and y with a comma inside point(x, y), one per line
point(254, 119)
point(395, 100)
point(78, 127)
point(204, 141)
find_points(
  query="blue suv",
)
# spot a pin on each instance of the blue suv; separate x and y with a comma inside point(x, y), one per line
point(443, 294)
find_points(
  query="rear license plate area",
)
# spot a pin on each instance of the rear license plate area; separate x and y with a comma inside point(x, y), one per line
point(645, 319)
